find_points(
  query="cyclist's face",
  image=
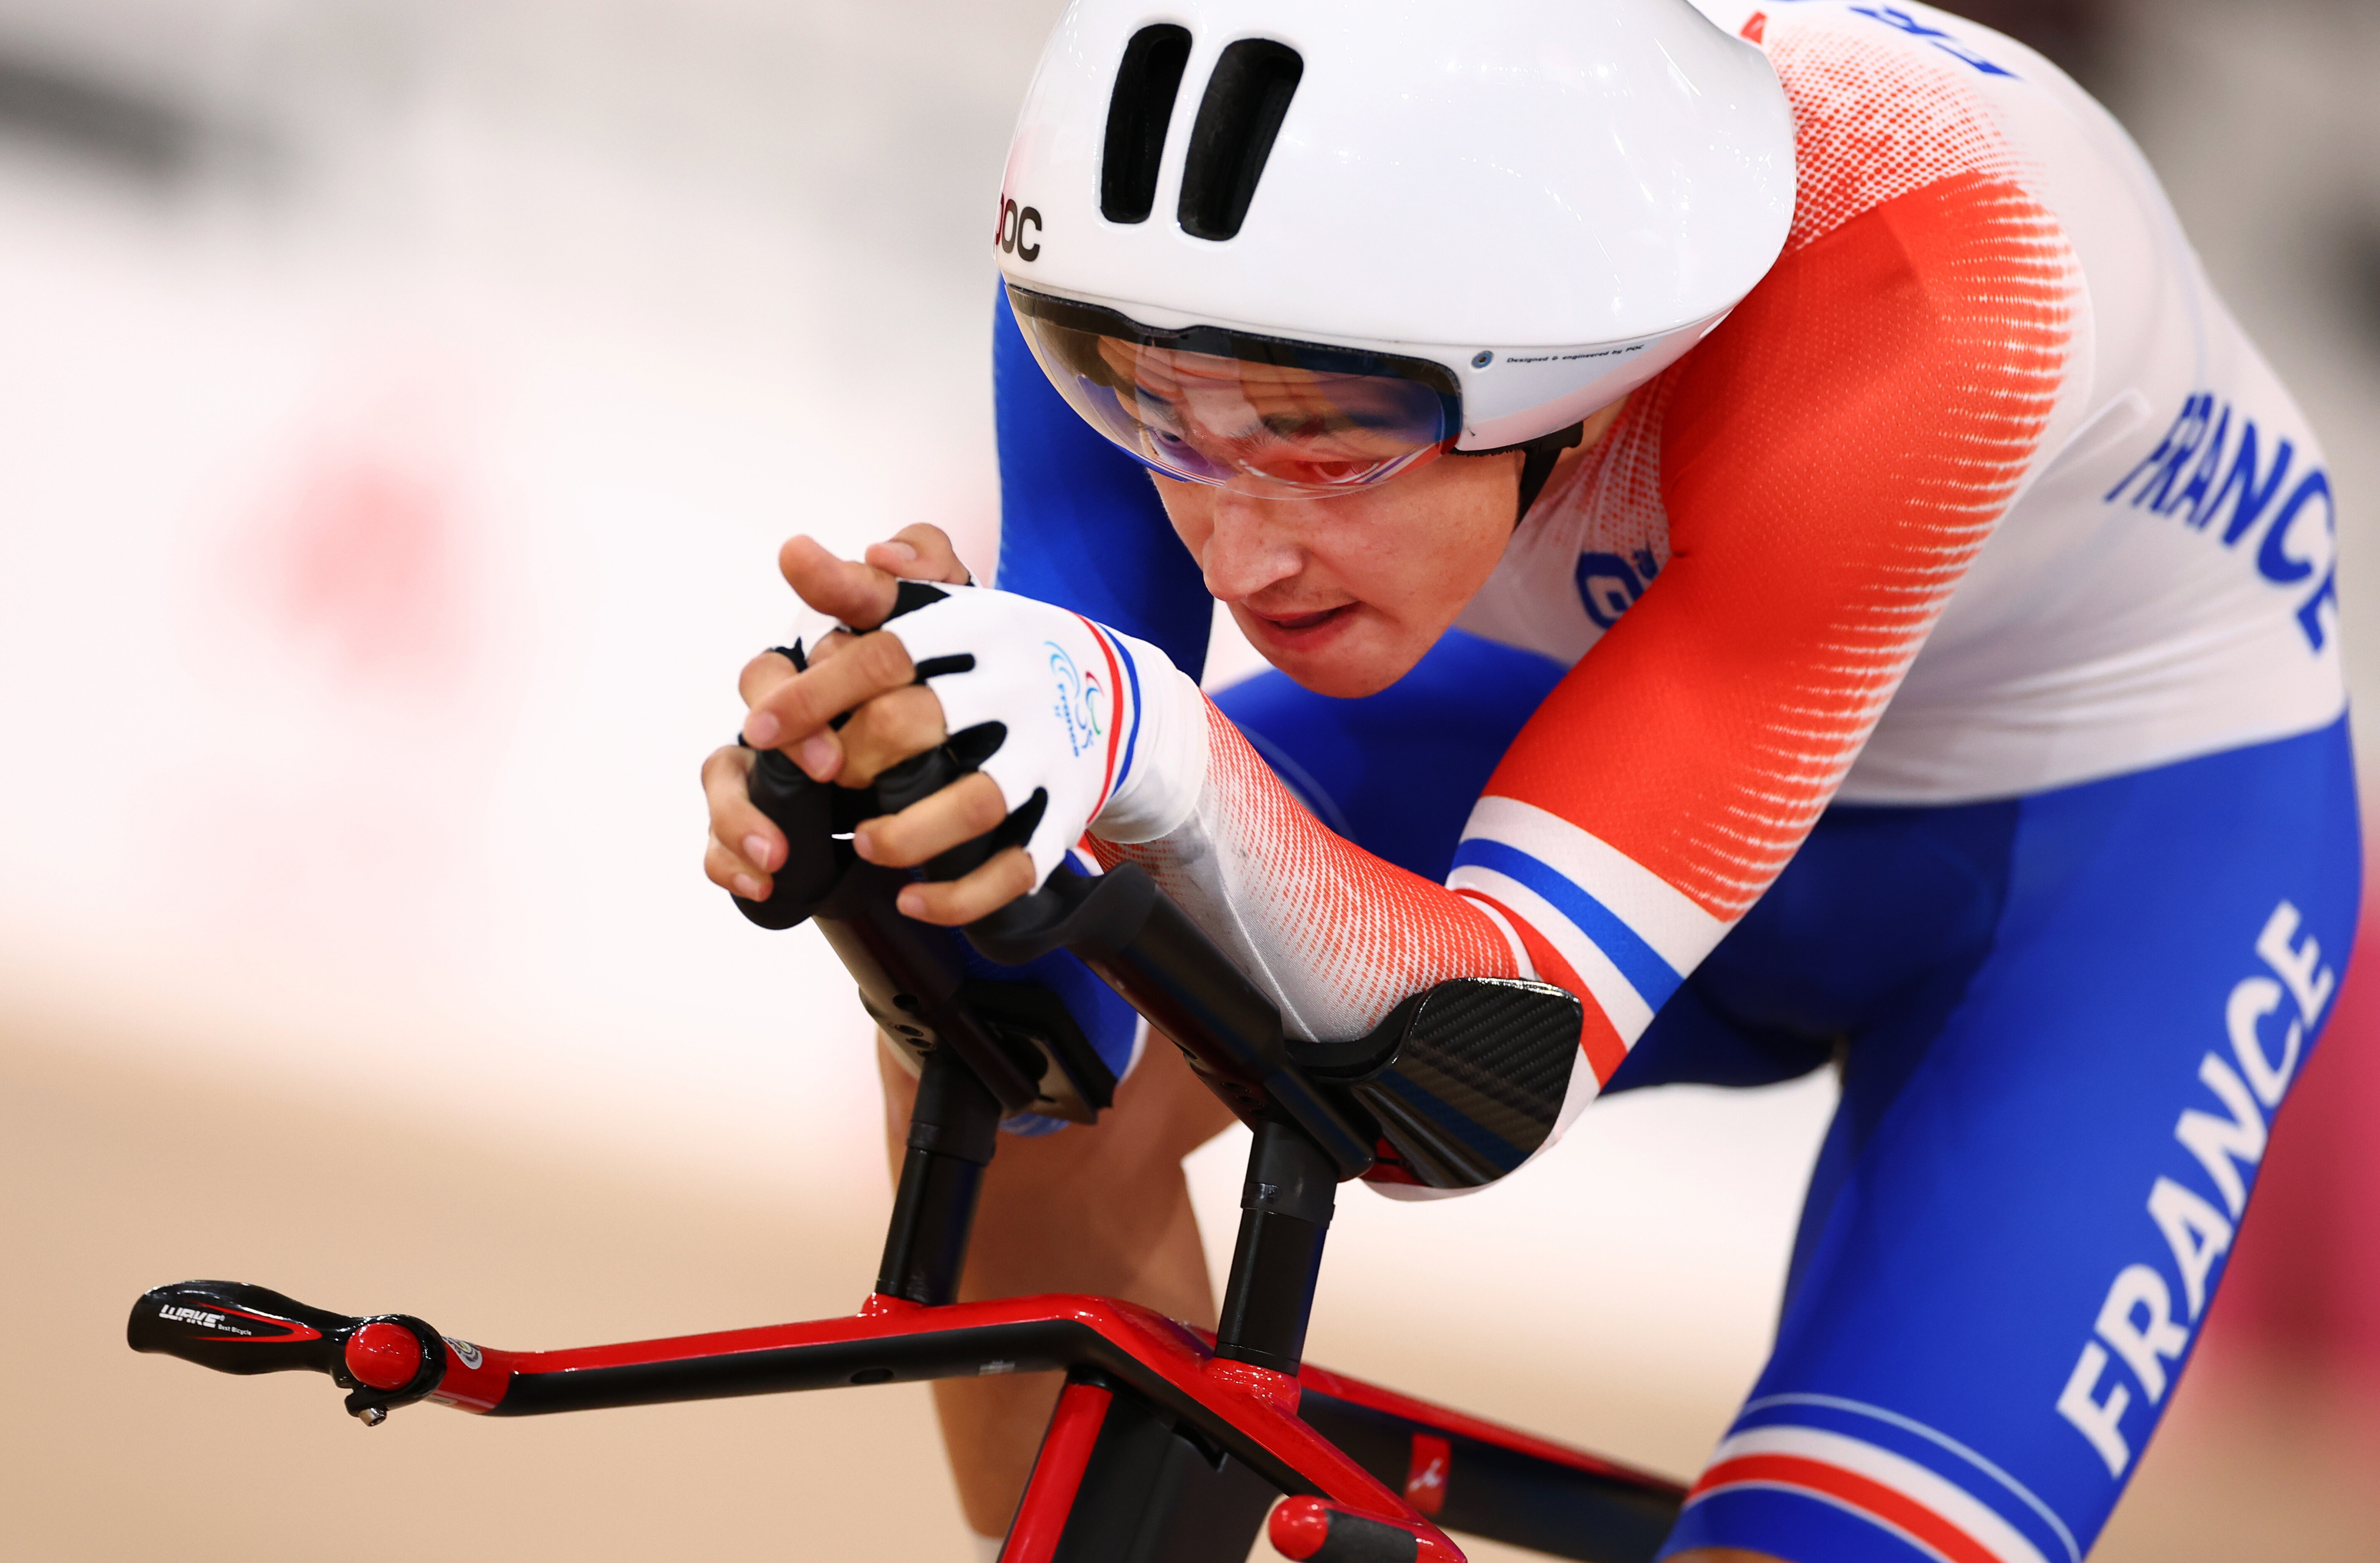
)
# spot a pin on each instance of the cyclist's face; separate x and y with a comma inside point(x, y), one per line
point(1345, 594)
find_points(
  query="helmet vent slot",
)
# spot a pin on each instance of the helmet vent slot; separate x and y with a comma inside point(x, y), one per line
point(1137, 117)
point(1246, 99)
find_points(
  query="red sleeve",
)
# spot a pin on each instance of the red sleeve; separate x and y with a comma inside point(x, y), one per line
point(1831, 460)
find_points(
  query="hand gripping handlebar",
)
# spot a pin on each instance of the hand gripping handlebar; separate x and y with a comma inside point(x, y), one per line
point(1117, 923)
point(909, 973)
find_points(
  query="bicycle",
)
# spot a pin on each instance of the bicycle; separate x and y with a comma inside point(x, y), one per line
point(1168, 1445)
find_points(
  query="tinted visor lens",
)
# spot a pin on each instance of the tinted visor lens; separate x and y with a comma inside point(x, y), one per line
point(1216, 406)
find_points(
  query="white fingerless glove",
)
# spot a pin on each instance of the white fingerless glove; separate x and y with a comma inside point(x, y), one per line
point(1104, 726)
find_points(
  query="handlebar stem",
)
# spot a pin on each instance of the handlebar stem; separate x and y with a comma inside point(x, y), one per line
point(1285, 1208)
point(954, 1129)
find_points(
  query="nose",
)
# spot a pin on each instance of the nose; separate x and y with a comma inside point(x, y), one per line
point(1252, 545)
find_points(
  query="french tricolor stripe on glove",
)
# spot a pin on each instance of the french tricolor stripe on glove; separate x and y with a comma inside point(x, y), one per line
point(1124, 730)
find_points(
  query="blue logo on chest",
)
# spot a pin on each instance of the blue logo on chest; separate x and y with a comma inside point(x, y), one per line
point(1608, 584)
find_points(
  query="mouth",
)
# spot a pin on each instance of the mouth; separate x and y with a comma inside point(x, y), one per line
point(1293, 622)
point(1297, 631)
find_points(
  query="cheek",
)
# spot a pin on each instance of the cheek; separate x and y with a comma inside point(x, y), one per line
point(1477, 540)
point(1191, 508)
point(1434, 548)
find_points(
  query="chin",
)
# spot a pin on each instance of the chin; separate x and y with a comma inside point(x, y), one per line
point(1344, 672)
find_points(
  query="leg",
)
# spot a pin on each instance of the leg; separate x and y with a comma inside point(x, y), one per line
point(2023, 1207)
point(1103, 1209)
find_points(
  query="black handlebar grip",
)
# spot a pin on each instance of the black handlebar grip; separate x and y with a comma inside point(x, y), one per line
point(804, 810)
point(917, 779)
point(233, 1328)
point(383, 1361)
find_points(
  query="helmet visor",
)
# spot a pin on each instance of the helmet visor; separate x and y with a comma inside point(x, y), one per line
point(1212, 406)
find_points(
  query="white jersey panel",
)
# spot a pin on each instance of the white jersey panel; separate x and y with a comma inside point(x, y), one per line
point(2163, 588)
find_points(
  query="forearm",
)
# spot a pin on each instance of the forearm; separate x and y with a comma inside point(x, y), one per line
point(1336, 937)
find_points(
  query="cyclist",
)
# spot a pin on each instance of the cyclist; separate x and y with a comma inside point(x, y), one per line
point(1916, 651)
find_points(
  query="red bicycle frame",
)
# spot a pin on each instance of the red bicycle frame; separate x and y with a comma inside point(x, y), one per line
point(1169, 1445)
point(1351, 1450)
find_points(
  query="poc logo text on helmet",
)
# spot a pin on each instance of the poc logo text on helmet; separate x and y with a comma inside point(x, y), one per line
point(1010, 233)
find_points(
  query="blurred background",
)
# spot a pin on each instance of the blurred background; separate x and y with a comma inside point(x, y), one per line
point(400, 404)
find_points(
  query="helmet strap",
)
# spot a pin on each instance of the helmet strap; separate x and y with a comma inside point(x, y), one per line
point(1537, 459)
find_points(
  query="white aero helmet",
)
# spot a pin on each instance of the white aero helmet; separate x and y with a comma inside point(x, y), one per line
point(1301, 245)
